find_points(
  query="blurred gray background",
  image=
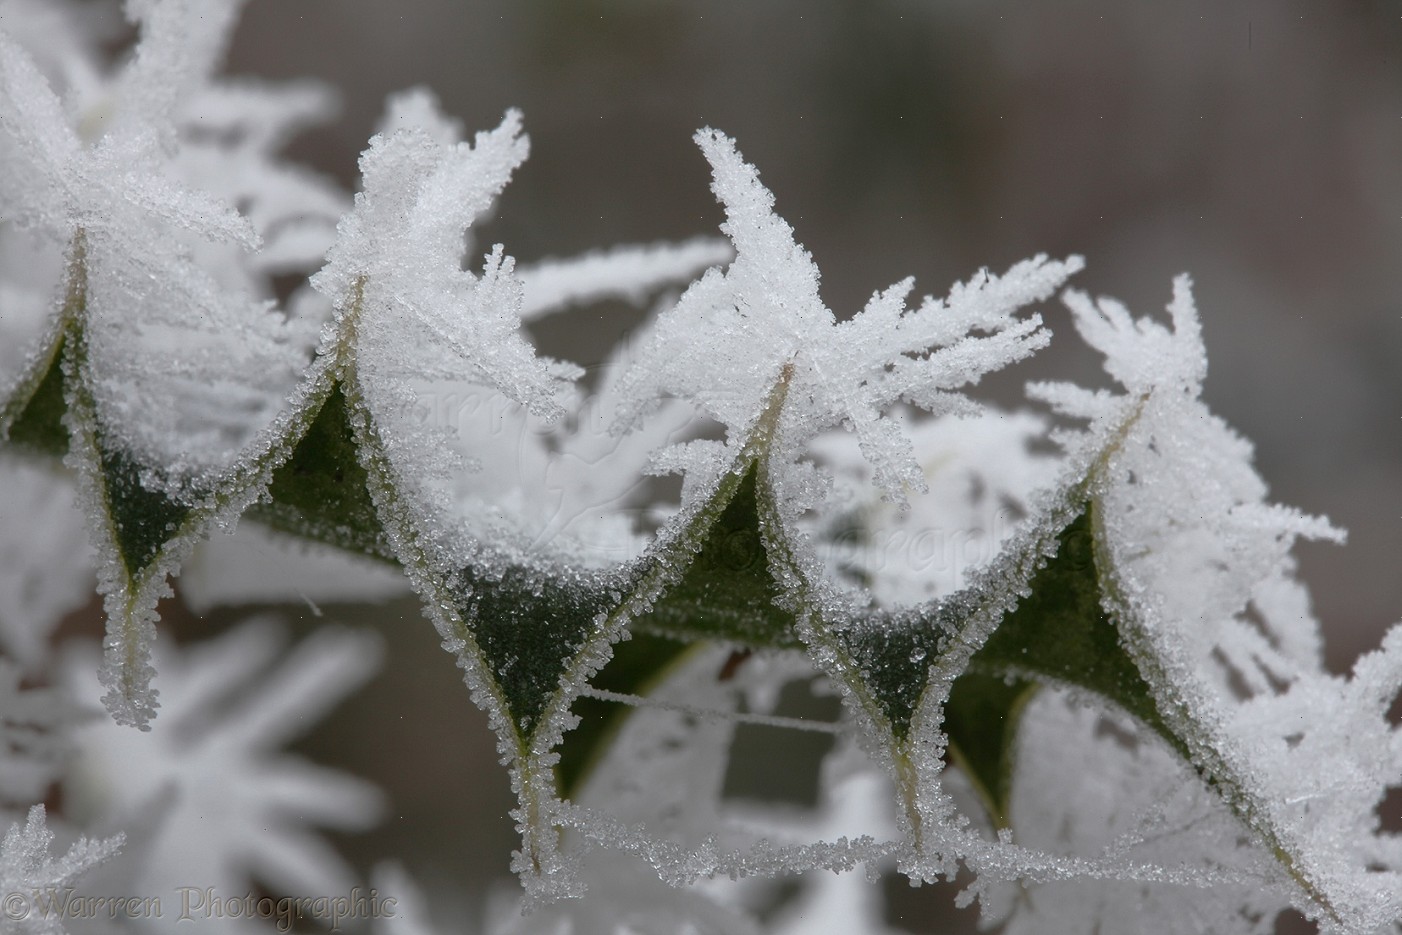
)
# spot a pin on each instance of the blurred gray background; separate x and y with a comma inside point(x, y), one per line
point(1257, 145)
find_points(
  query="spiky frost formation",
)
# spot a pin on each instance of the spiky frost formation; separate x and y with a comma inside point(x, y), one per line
point(1200, 571)
point(736, 333)
point(29, 872)
point(187, 361)
point(1183, 503)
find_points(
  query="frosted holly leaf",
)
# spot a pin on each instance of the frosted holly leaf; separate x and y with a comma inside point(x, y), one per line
point(1034, 614)
point(410, 321)
point(229, 806)
point(1185, 493)
point(151, 432)
point(777, 370)
point(407, 311)
point(1195, 573)
point(763, 317)
point(983, 478)
point(1068, 625)
point(30, 871)
point(1031, 613)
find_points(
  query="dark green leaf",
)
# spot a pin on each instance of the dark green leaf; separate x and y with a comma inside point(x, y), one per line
point(529, 627)
point(728, 591)
point(1060, 633)
point(637, 665)
point(143, 520)
point(981, 720)
point(36, 417)
point(321, 493)
point(893, 653)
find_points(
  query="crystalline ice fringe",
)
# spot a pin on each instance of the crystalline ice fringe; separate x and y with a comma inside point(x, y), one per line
point(628, 273)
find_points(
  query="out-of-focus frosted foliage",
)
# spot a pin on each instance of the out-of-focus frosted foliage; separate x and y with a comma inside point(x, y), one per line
point(1060, 654)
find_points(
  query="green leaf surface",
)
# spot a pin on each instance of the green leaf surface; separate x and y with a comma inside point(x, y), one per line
point(143, 520)
point(529, 626)
point(727, 591)
point(34, 412)
point(638, 664)
point(892, 653)
point(981, 719)
point(320, 492)
point(1061, 634)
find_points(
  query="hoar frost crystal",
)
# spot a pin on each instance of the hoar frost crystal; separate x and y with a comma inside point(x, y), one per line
point(1115, 715)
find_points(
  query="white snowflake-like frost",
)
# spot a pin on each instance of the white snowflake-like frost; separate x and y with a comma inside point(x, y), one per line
point(207, 789)
point(735, 334)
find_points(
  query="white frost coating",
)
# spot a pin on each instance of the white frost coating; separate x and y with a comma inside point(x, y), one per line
point(408, 316)
point(419, 319)
point(1096, 786)
point(1201, 576)
point(26, 867)
point(46, 565)
point(1324, 755)
point(162, 256)
point(733, 333)
point(1184, 504)
point(628, 273)
point(981, 474)
point(29, 267)
point(225, 803)
point(569, 490)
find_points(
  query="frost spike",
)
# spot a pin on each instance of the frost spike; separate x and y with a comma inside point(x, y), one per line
point(630, 273)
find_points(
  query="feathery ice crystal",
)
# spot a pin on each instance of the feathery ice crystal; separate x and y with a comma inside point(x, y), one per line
point(1089, 681)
